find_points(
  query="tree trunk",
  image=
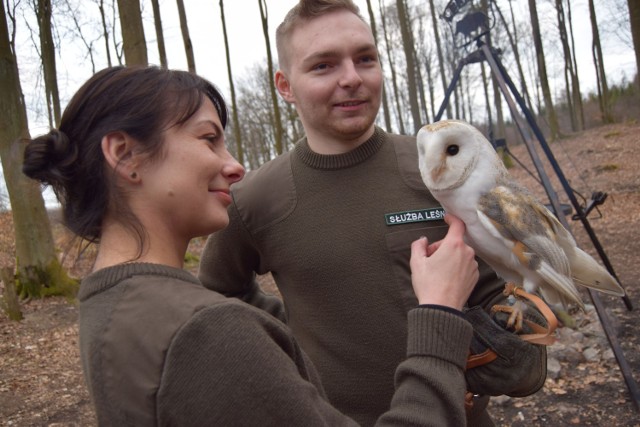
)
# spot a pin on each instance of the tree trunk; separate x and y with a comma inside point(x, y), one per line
point(105, 31)
point(234, 109)
point(420, 87)
point(119, 52)
point(385, 102)
point(10, 303)
point(554, 127)
point(133, 41)
point(48, 57)
point(577, 93)
point(634, 18)
point(432, 95)
point(394, 78)
point(571, 77)
point(188, 47)
point(513, 41)
point(500, 131)
point(157, 21)
point(38, 270)
point(485, 86)
point(436, 33)
point(598, 60)
point(407, 44)
point(279, 132)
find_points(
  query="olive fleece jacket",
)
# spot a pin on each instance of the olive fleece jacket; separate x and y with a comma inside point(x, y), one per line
point(335, 231)
point(158, 348)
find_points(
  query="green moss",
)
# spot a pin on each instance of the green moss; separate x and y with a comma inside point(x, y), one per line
point(506, 158)
point(612, 134)
point(191, 260)
point(609, 167)
point(35, 282)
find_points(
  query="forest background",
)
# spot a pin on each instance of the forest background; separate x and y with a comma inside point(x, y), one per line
point(87, 36)
point(49, 47)
point(575, 63)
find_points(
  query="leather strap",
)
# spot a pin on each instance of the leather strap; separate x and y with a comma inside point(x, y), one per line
point(480, 359)
point(540, 335)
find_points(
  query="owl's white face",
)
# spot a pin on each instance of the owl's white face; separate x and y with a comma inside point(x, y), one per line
point(447, 153)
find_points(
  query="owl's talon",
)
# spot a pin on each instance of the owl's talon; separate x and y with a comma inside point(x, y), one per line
point(515, 315)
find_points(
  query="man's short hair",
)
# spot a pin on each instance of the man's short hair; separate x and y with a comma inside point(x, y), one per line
point(307, 10)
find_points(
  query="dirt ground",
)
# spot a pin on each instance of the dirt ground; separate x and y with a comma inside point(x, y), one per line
point(41, 380)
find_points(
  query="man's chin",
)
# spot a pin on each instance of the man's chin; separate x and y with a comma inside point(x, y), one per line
point(355, 129)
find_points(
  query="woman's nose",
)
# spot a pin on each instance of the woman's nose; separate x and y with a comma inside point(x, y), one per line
point(233, 170)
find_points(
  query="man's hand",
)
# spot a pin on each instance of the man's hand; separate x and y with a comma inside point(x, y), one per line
point(444, 272)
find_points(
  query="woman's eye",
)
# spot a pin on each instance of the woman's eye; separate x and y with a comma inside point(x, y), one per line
point(211, 138)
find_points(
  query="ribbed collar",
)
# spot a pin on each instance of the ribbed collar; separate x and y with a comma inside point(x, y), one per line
point(340, 161)
point(108, 277)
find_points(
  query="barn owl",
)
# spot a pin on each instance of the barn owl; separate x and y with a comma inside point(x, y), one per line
point(507, 227)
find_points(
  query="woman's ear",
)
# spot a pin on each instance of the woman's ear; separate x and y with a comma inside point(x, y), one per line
point(283, 86)
point(118, 150)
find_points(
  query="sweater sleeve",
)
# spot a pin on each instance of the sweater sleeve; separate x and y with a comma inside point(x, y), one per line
point(229, 264)
point(233, 365)
point(430, 383)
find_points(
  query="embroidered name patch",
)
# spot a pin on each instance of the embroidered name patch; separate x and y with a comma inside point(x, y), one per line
point(422, 215)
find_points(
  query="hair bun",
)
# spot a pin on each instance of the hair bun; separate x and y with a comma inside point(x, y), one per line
point(49, 158)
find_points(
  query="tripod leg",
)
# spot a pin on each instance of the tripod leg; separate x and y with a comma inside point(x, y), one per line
point(447, 95)
point(504, 81)
point(522, 125)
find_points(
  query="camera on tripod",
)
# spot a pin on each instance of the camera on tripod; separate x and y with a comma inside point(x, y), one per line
point(468, 21)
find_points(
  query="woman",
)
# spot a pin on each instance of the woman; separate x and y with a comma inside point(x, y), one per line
point(139, 165)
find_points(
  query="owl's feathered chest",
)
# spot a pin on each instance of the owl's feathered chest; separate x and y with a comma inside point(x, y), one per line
point(463, 200)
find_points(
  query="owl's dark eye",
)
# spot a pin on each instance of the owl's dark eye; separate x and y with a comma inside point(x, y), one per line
point(452, 150)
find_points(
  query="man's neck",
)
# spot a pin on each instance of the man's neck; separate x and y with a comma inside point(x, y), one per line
point(328, 145)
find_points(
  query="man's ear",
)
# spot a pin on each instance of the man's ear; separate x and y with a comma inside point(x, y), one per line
point(283, 86)
point(118, 150)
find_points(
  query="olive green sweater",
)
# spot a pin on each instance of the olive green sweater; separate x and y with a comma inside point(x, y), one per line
point(158, 348)
point(335, 231)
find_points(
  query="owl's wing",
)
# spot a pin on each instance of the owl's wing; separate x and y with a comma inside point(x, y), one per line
point(584, 269)
point(533, 236)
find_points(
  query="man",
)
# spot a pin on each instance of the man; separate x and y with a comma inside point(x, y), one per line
point(334, 218)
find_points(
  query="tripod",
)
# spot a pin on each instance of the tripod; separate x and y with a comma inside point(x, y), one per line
point(525, 125)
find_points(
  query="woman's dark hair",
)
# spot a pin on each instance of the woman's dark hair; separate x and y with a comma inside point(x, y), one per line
point(142, 102)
